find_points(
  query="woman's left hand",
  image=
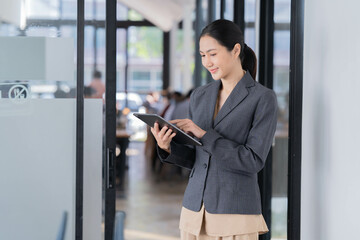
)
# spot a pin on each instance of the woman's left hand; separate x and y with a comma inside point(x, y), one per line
point(189, 126)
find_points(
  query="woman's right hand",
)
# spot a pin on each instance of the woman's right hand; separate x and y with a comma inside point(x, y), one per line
point(163, 137)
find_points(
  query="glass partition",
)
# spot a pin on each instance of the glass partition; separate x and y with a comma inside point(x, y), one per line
point(38, 122)
point(38, 66)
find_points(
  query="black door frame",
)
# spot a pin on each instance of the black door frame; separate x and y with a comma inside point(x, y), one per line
point(266, 78)
point(295, 118)
point(110, 119)
point(79, 122)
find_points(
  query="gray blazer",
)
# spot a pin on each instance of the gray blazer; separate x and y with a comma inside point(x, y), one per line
point(235, 147)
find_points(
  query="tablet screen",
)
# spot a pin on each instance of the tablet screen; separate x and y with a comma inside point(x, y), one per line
point(181, 136)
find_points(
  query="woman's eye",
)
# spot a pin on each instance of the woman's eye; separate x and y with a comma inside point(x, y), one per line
point(212, 55)
point(202, 56)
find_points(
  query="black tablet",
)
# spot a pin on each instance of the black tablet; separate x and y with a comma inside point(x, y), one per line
point(181, 136)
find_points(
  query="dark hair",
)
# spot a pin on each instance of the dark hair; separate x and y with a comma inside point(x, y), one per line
point(97, 74)
point(228, 34)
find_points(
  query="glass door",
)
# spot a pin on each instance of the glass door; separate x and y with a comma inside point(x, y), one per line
point(52, 179)
point(37, 121)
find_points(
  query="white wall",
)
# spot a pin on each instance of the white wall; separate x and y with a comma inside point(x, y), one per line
point(331, 121)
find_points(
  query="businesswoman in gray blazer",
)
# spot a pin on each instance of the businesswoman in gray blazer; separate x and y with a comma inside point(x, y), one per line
point(234, 117)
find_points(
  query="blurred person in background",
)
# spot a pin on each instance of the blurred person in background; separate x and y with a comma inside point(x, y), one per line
point(181, 110)
point(234, 117)
point(166, 101)
point(153, 105)
point(60, 93)
point(176, 97)
point(97, 85)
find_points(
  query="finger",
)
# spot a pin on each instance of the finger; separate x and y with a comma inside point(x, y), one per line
point(175, 121)
point(165, 138)
point(163, 131)
point(183, 125)
point(154, 133)
point(156, 127)
point(168, 132)
point(171, 137)
point(179, 120)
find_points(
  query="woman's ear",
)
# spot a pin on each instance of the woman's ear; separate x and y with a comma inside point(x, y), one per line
point(236, 50)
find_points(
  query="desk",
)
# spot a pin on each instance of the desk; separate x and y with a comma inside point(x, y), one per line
point(122, 139)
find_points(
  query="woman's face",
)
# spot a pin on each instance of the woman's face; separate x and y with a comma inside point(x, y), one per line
point(216, 58)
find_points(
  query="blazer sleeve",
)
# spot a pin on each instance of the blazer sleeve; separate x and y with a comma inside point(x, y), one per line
point(249, 157)
point(181, 155)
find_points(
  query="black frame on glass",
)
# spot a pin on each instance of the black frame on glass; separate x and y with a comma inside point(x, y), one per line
point(239, 13)
point(79, 122)
point(110, 119)
point(295, 118)
point(166, 60)
point(265, 72)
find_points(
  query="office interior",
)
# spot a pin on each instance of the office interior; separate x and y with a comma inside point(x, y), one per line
point(76, 164)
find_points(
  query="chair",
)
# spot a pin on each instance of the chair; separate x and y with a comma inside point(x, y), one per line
point(119, 225)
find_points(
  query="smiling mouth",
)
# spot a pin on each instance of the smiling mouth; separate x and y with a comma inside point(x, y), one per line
point(213, 70)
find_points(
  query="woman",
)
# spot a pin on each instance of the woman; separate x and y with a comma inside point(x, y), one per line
point(235, 119)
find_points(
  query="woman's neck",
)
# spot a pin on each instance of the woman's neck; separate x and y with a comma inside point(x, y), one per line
point(230, 81)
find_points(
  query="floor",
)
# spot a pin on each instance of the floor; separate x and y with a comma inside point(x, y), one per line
point(152, 203)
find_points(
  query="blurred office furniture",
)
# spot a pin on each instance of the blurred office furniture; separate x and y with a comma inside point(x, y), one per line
point(122, 140)
point(119, 225)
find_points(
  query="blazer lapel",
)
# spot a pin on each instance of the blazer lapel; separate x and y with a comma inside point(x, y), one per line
point(208, 99)
point(237, 95)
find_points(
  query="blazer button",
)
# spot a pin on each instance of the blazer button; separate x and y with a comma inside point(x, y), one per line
point(205, 165)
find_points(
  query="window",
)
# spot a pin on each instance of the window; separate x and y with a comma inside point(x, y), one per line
point(139, 75)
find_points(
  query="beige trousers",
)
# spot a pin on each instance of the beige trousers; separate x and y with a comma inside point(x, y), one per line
point(203, 236)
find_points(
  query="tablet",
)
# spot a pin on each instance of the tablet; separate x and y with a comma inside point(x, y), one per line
point(181, 136)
